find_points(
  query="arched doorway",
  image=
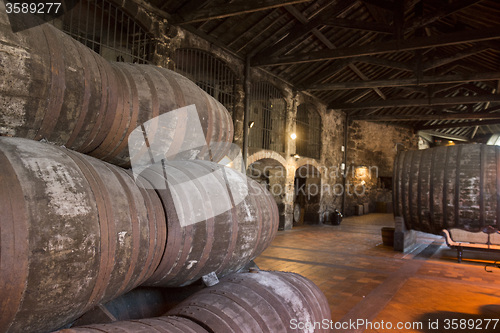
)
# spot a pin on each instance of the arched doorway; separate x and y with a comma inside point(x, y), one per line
point(307, 195)
point(272, 174)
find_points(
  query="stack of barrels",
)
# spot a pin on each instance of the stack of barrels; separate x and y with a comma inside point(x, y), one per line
point(77, 231)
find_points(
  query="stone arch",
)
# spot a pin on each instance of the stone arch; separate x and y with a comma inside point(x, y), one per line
point(263, 154)
point(269, 169)
point(308, 180)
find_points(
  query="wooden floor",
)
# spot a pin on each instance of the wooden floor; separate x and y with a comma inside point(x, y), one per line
point(372, 288)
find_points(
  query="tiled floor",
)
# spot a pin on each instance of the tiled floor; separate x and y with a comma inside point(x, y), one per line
point(364, 280)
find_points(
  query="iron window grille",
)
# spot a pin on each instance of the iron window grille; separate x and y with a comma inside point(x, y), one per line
point(308, 129)
point(267, 110)
point(209, 73)
point(108, 30)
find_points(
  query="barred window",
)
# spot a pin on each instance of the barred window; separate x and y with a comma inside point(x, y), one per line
point(107, 30)
point(308, 125)
point(209, 73)
point(267, 112)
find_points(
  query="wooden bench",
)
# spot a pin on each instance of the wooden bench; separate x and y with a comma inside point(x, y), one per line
point(488, 239)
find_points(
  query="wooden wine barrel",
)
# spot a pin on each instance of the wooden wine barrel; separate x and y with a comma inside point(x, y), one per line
point(57, 89)
point(258, 302)
point(170, 324)
point(218, 220)
point(75, 231)
point(442, 187)
point(243, 302)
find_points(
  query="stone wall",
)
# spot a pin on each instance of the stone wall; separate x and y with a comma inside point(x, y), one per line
point(371, 150)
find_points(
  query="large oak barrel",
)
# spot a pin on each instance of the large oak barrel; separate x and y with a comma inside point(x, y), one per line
point(454, 186)
point(57, 89)
point(170, 324)
point(260, 301)
point(275, 302)
point(218, 220)
point(75, 231)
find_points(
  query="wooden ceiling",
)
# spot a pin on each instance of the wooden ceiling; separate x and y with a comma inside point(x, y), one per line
point(432, 65)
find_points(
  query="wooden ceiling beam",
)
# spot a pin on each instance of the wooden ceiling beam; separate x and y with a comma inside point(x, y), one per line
point(457, 56)
point(384, 62)
point(188, 6)
point(476, 89)
point(301, 29)
point(426, 117)
point(230, 9)
point(359, 25)
point(425, 80)
point(384, 4)
point(469, 36)
point(332, 70)
point(445, 135)
point(458, 125)
point(441, 13)
point(417, 102)
point(299, 16)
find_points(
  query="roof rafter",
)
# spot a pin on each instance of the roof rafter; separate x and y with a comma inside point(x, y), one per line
point(440, 13)
point(231, 9)
point(425, 80)
point(417, 102)
point(331, 46)
point(384, 62)
point(461, 124)
point(384, 4)
point(359, 25)
point(433, 116)
point(445, 135)
point(468, 36)
point(302, 29)
point(457, 56)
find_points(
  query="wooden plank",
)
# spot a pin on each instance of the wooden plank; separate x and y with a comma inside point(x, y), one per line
point(447, 136)
point(188, 6)
point(359, 25)
point(384, 4)
point(384, 62)
point(457, 56)
point(399, 19)
point(364, 77)
point(442, 116)
point(426, 80)
point(458, 125)
point(417, 102)
point(331, 71)
point(440, 13)
point(468, 36)
point(303, 28)
point(298, 15)
point(231, 9)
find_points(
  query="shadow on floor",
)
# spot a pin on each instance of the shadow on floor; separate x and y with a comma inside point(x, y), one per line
point(488, 320)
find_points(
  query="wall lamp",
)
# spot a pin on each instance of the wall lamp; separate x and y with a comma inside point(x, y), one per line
point(293, 136)
point(250, 124)
point(296, 156)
